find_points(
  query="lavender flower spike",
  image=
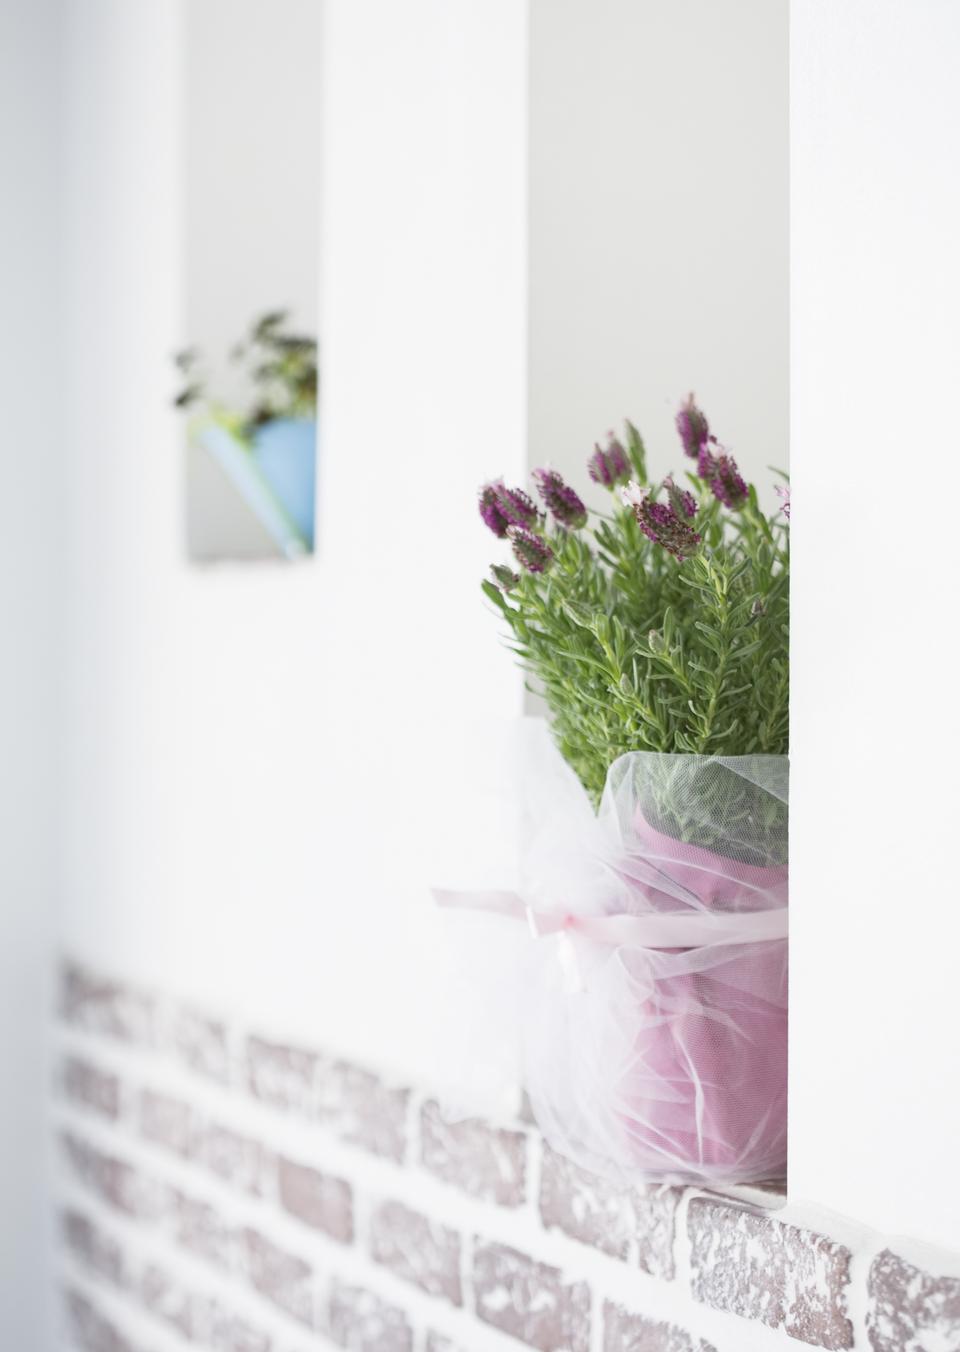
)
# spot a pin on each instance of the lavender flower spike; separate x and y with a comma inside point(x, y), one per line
point(490, 510)
point(726, 482)
point(562, 501)
point(531, 552)
point(661, 523)
point(518, 508)
point(693, 428)
point(682, 501)
point(784, 493)
point(609, 467)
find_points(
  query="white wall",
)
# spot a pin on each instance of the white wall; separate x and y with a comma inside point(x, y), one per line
point(261, 756)
point(875, 1108)
point(31, 603)
point(269, 765)
point(658, 226)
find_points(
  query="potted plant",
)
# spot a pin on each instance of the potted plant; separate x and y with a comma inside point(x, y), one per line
point(268, 448)
point(657, 633)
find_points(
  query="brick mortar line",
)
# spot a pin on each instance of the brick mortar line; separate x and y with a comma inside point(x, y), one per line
point(683, 1273)
point(858, 1300)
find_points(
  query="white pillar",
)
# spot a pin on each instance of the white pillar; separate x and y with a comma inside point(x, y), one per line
point(875, 1107)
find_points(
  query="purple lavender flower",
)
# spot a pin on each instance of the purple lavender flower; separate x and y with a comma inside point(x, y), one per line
point(682, 501)
point(562, 501)
point(784, 493)
point(609, 467)
point(617, 458)
point(490, 510)
point(706, 462)
point(505, 578)
point(661, 523)
point(531, 552)
point(517, 506)
point(724, 478)
point(693, 428)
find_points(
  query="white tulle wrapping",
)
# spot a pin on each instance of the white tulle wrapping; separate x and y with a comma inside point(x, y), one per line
point(650, 1063)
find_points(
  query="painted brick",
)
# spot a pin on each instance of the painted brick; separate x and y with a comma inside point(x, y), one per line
point(96, 1250)
point(198, 1317)
point(202, 1044)
point(113, 1180)
point(529, 1300)
point(167, 1301)
point(625, 1332)
point(281, 1277)
point(167, 1122)
point(910, 1310)
point(240, 1160)
point(362, 1322)
point(317, 1199)
point(200, 1229)
point(109, 1008)
point(88, 1086)
point(282, 1075)
point(621, 1221)
point(213, 1326)
point(436, 1342)
point(90, 1329)
point(755, 1266)
point(417, 1249)
point(363, 1110)
point(656, 1212)
point(584, 1206)
point(487, 1162)
point(226, 1332)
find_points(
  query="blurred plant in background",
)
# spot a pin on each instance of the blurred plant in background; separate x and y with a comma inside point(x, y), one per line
point(281, 367)
point(267, 446)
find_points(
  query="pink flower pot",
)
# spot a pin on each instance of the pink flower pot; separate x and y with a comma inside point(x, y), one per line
point(669, 1063)
point(708, 1085)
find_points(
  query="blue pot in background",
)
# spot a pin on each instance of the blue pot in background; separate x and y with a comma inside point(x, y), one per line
point(286, 454)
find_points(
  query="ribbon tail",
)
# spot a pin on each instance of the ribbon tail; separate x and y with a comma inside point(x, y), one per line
point(496, 902)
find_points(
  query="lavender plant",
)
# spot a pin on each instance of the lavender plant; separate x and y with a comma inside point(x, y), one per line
point(661, 625)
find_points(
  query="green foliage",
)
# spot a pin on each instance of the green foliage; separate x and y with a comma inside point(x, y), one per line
point(635, 651)
point(281, 368)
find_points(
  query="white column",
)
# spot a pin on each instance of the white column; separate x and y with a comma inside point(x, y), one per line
point(875, 1088)
point(423, 330)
